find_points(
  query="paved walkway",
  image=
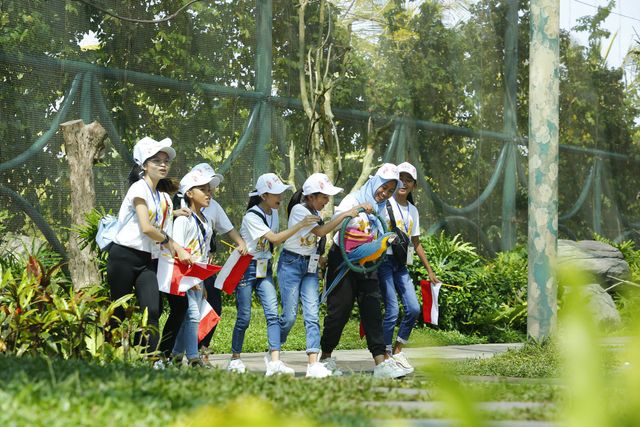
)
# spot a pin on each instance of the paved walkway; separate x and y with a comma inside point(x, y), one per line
point(360, 361)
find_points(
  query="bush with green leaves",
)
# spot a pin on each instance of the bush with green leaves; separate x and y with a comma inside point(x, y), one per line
point(479, 296)
point(41, 314)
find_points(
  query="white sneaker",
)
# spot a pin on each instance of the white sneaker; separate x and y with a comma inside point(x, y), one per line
point(277, 367)
point(317, 370)
point(330, 364)
point(403, 363)
point(237, 366)
point(388, 369)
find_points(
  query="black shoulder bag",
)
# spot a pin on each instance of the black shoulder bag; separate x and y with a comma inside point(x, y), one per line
point(400, 245)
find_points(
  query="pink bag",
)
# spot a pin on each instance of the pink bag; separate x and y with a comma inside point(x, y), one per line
point(355, 238)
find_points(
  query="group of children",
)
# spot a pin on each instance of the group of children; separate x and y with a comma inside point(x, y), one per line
point(148, 231)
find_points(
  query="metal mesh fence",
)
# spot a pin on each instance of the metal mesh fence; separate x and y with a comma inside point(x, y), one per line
point(424, 85)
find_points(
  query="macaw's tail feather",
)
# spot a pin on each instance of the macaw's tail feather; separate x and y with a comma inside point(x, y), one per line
point(336, 280)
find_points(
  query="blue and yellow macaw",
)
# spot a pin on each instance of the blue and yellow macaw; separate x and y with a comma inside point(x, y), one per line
point(368, 252)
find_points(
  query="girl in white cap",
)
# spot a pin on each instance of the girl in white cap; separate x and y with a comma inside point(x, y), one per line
point(298, 264)
point(194, 233)
point(363, 287)
point(220, 224)
point(259, 229)
point(393, 274)
point(145, 220)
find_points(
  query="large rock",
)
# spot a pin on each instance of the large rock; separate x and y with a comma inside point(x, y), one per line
point(603, 261)
point(600, 305)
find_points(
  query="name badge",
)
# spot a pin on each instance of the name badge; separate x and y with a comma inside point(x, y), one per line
point(313, 263)
point(410, 251)
point(261, 268)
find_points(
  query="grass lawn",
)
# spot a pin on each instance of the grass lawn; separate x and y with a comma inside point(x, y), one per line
point(42, 392)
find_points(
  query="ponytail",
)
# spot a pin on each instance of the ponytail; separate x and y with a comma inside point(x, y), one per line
point(410, 198)
point(177, 200)
point(136, 174)
point(295, 199)
point(253, 201)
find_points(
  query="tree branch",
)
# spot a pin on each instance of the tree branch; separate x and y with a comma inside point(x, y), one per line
point(140, 21)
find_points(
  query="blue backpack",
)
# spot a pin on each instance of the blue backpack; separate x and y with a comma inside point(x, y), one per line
point(108, 228)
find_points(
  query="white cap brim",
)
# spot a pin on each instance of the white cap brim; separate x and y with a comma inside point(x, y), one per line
point(329, 191)
point(202, 180)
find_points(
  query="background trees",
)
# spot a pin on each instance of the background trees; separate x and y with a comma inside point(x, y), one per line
point(376, 71)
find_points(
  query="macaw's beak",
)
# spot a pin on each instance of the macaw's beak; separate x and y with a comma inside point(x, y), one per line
point(392, 238)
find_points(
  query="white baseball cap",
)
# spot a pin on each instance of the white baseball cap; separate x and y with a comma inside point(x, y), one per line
point(319, 183)
point(408, 168)
point(390, 171)
point(197, 177)
point(269, 183)
point(148, 147)
point(206, 169)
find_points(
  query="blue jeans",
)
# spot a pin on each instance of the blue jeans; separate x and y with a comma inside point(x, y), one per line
point(187, 338)
point(267, 295)
point(393, 278)
point(295, 285)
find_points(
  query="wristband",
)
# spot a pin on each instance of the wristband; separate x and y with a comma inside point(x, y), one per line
point(166, 239)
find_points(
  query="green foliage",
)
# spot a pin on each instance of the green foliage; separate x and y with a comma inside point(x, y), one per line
point(486, 297)
point(40, 313)
point(87, 237)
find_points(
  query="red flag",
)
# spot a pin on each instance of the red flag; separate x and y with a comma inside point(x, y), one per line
point(175, 277)
point(232, 271)
point(430, 293)
point(208, 319)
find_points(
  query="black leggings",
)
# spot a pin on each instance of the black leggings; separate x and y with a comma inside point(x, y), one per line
point(127, 269)
point(214, 297)
point(355, 286)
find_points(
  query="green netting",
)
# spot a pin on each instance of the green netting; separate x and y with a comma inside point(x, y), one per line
point(415, 81)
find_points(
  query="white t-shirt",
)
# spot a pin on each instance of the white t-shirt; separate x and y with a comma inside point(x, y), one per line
point(407, 219)
point(160, 210)
point(361, 222)
point(187, 234)
point(218, 217)
point(304, 242)
point(253, 230)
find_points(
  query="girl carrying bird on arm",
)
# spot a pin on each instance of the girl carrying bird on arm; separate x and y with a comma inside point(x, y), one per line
point(363, 287)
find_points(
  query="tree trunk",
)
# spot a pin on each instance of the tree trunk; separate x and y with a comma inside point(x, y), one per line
point(83, 145)
point(367, 161)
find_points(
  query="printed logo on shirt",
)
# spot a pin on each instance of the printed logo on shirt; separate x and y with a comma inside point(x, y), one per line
point(309, 240)
point(263, 245)
point(401, 225)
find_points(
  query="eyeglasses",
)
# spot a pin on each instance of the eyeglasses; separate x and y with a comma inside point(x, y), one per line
point(158, 161)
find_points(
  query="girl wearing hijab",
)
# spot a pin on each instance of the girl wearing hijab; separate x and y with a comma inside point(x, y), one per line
point(363, 287)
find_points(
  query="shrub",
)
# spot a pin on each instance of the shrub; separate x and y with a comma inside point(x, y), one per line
point(486, 297)
point(40, 313)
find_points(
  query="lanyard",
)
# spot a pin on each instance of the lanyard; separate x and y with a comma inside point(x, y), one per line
point(202, 231)
point(155, 202)
point(406, 225)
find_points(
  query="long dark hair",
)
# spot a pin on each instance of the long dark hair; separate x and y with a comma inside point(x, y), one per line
point(253, 201)
point(166, 185)
point(295, 199)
